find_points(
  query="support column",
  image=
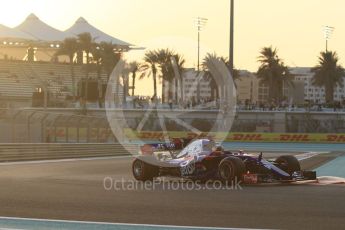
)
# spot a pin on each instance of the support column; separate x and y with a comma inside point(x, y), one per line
point(279, 125)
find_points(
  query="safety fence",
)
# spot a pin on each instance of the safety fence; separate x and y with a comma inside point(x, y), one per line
point(338, 138)
point(73, 126)
point(35, 126)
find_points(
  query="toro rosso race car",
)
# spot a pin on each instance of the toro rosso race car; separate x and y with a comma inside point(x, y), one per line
point(203, 160)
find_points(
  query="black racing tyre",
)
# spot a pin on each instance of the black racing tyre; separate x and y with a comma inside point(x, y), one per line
point(288, 163)
point(143, 171)
point(231, 169)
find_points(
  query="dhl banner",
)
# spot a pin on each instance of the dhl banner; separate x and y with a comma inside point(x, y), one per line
point(244, 137)
point(95, 135)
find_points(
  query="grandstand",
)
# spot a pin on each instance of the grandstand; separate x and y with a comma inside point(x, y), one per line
point(15, 89)
point(13, 83)
point(20, 79)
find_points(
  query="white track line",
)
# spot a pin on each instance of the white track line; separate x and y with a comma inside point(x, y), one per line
point(308, 155)
point(11, 229)
point(118, 224)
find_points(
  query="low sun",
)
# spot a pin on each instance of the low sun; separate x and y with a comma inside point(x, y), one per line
point(13, 12)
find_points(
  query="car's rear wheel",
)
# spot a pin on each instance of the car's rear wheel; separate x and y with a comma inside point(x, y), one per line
point(143, 171)
point(288, 163)
point(231, 169)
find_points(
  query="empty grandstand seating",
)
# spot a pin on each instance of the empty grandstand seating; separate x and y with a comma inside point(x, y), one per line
point(21, 78)
point(12, 82)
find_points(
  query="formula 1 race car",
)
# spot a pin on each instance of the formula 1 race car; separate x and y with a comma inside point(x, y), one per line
point(203, 160)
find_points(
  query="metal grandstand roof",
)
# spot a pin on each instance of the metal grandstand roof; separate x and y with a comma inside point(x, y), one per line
point(14, 34)
point(33, 29)
point(40, 30)
point(82, 26)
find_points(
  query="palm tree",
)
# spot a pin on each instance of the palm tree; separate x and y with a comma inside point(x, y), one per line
point(163, 56)
point(109, 57)
point(151, 62)
point(125, 80)
point(179, 61)
point(273, 73)
point(235, 72)
point(69, 47)
point(212, 79)
point(328, 73)
point(134, 68)
point(108, 60)
point(97, 59)
point(86, 43)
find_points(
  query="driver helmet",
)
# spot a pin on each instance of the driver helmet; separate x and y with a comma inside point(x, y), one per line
point(218, 148)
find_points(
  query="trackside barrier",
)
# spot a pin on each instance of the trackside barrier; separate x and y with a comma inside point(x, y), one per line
point(245, 137)
point(24, 152)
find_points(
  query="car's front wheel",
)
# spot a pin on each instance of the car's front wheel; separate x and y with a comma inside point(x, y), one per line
point(288, 163)
point(143, 171)
point(231, 169)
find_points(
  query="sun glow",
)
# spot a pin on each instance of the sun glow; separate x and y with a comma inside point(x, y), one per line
point(298, 38)
point(14, 12)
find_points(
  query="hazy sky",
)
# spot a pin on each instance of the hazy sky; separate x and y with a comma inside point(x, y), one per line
point(295, 27)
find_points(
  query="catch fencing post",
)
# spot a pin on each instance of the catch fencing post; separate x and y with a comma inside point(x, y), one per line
point(28, 126)
point(55, 121)
point(43, 128)
point(14, 125)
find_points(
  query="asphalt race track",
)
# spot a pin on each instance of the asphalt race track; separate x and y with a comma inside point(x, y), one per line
point(74, 190)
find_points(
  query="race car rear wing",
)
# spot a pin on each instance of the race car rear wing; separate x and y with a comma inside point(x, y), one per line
point(149, 149)
point(174, 145)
